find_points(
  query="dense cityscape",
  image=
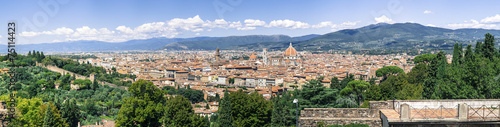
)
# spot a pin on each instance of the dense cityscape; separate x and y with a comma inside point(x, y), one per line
point(235, 63)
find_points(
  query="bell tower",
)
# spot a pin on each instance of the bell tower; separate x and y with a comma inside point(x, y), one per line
point(264, 56)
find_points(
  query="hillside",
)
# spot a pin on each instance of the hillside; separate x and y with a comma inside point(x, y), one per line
point(383, 36)
point(147, 44)
point(225, 42)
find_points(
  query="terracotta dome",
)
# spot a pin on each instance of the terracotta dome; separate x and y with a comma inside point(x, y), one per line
point(253, 57)
point(290, 51)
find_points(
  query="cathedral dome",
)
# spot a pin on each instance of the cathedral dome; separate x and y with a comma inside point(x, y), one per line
point(253, 57)
point(290, 51)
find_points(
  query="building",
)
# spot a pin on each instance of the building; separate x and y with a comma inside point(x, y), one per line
point(264, 56)
point(291, 56)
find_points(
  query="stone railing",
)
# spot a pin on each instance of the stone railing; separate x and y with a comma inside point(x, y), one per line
point(339, 112)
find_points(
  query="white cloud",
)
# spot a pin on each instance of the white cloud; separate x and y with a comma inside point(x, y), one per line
point(428, 12)
point(431, 25)
point(58, 31)
point(323, 24)
point(124, 29)
point(289, 24)
point(472, 24)
point(189, 24)
point(383, 19)
point(253, 22)
point(170, 28)
point(492, 19)
point(0, 36)
point(333, 26)
point(246, 28)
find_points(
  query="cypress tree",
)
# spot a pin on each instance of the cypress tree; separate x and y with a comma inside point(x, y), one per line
point(37, 56)
point(53, 117)
point(225, 119)
point(278, 118)
point(42, 56)
point(335, 83)
point(456, 53)
point(479, 48)
point(461, 54)
point(29, 53)
point(70, 112)
point(275, 114)
point(442, 65)
point(372, 81)
point(48, 120)
point(488, 48)
point(469, 56)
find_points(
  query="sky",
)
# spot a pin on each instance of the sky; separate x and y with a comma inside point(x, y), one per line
point(50, 21)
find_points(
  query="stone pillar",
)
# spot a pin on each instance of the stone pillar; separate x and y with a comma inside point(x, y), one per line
point(463, 110)
point(405, 112)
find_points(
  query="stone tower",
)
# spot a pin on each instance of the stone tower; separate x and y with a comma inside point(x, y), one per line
point(264, 56)
point(217, 55)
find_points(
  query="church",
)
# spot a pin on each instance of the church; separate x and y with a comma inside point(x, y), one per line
point(290, 58)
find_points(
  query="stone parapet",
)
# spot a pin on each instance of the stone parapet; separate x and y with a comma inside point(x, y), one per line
point(340, 113)
point(311, 116)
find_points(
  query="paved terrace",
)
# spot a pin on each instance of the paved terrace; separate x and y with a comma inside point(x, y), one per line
point(470, 111)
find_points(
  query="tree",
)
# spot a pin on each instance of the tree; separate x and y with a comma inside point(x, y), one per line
point(179, 112)
point(144, 107)
point(372, 81)
point(349, 78)
point(279, 113)
point(52, 117)
point(425, 58)
point(31, 113)
point(231, 80)
point(355, 87)
point(388, 70)
point(225, 118)
point(335, 84)
point(250, 109)
point(95, 84)
point(488, 48)
point(71, 112)
point(89, 107)
point(457, 55)
point(479, 48)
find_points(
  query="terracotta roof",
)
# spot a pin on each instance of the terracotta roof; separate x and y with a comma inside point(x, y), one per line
point(290, 51)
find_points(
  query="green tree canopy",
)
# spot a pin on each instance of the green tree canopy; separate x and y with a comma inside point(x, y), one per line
point(425, 58)
point(388, 70)
point(144, 108)
point(355, 87)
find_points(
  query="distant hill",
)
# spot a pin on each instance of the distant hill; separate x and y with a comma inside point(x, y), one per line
point(225, 42)
point(147, 44)
point(382, 36)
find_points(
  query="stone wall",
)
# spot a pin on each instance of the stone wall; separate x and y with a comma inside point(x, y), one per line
point(381, 104)
point(340, 112)
point(78, 76)
point(312, 122)
point(311, 116)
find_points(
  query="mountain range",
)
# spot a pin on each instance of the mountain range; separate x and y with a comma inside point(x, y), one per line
point(374, 36)
point(382, 36)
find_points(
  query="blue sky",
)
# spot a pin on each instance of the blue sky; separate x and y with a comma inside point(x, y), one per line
point(48, 21)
